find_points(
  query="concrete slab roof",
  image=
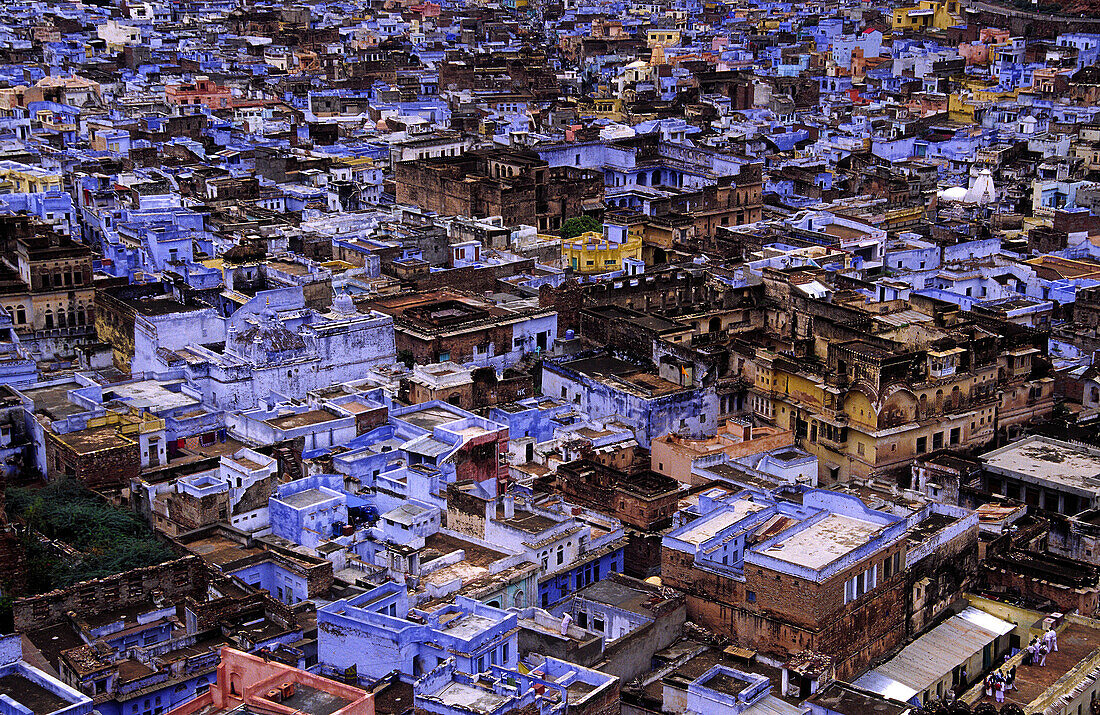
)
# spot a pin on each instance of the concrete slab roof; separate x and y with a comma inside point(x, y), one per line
point(1048, 461)
point(823, 542)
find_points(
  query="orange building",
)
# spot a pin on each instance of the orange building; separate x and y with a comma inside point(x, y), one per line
point(203, 91)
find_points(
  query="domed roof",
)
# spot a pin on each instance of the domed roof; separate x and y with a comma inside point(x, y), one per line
point(955, 193)
point(342, 303)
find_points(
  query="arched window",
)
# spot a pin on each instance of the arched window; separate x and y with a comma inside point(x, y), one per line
point(21, 315)
point(520, 600)
point(48, 319)
point(80, 316)
point(61, 318)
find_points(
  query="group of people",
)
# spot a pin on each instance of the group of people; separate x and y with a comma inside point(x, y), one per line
point(1004, 679)
point(1037, 651)
point(1000, 680)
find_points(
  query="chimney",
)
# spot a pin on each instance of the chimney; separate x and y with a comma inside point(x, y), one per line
point(294, 133)
point(509, 506)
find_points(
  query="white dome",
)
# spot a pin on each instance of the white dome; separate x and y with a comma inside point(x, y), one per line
point(955, 193)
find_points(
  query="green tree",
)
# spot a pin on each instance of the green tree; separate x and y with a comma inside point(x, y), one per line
point(109, 538)
point(580, 224)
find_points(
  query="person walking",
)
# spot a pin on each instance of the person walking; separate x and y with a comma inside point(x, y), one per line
point(1052, 640)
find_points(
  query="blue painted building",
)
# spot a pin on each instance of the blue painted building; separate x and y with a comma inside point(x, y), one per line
point(20, 678)
point(376, 633)
point(310, 510)
point(603, 386)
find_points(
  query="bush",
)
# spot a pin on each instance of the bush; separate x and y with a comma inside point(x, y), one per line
point(110, 539)
point(580, 224)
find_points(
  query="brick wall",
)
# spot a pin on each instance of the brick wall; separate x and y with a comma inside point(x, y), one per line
point(177, 580)
point(189, 512)
point(461, 346)
point(465, 513)
point(110, 467)
point(789, 614)
point(607, 704)
point(1085, 601)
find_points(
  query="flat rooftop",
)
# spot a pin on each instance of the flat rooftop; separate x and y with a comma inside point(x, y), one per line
point(708, 528)
point(152, 395)
point(303, 419)
point(307, 498)
point(89, 441)
point(444, 544)
point(468, 626)
point(1075, 643)
point(613, 592)
point(431, 417)
point(843, 698)
point(307, 699)
point(468, 699)
point(219, 550)
point(823, 542)
point(1050, 461)
point(31, 695)
point(54, 401)
point(526, 521)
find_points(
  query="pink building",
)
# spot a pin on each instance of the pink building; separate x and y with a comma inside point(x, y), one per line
point(275, 689)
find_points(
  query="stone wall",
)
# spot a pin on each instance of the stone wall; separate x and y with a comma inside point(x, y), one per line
point(176, 580)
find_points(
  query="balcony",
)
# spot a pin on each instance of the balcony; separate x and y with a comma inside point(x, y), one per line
point(834, 445)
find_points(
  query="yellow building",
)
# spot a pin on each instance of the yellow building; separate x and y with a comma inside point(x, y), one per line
point(927, 14)
point(17, 178)
point(855, 432)
point(964, 108)
point(594, 252)
point(662, 36)
point(604, 107)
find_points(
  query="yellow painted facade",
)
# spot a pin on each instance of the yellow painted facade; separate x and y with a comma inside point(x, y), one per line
point(19, 178)
point(664, 37)
point(928, 14)
point(592, 252)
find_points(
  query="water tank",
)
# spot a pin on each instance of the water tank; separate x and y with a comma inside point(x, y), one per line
point(569, 334)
